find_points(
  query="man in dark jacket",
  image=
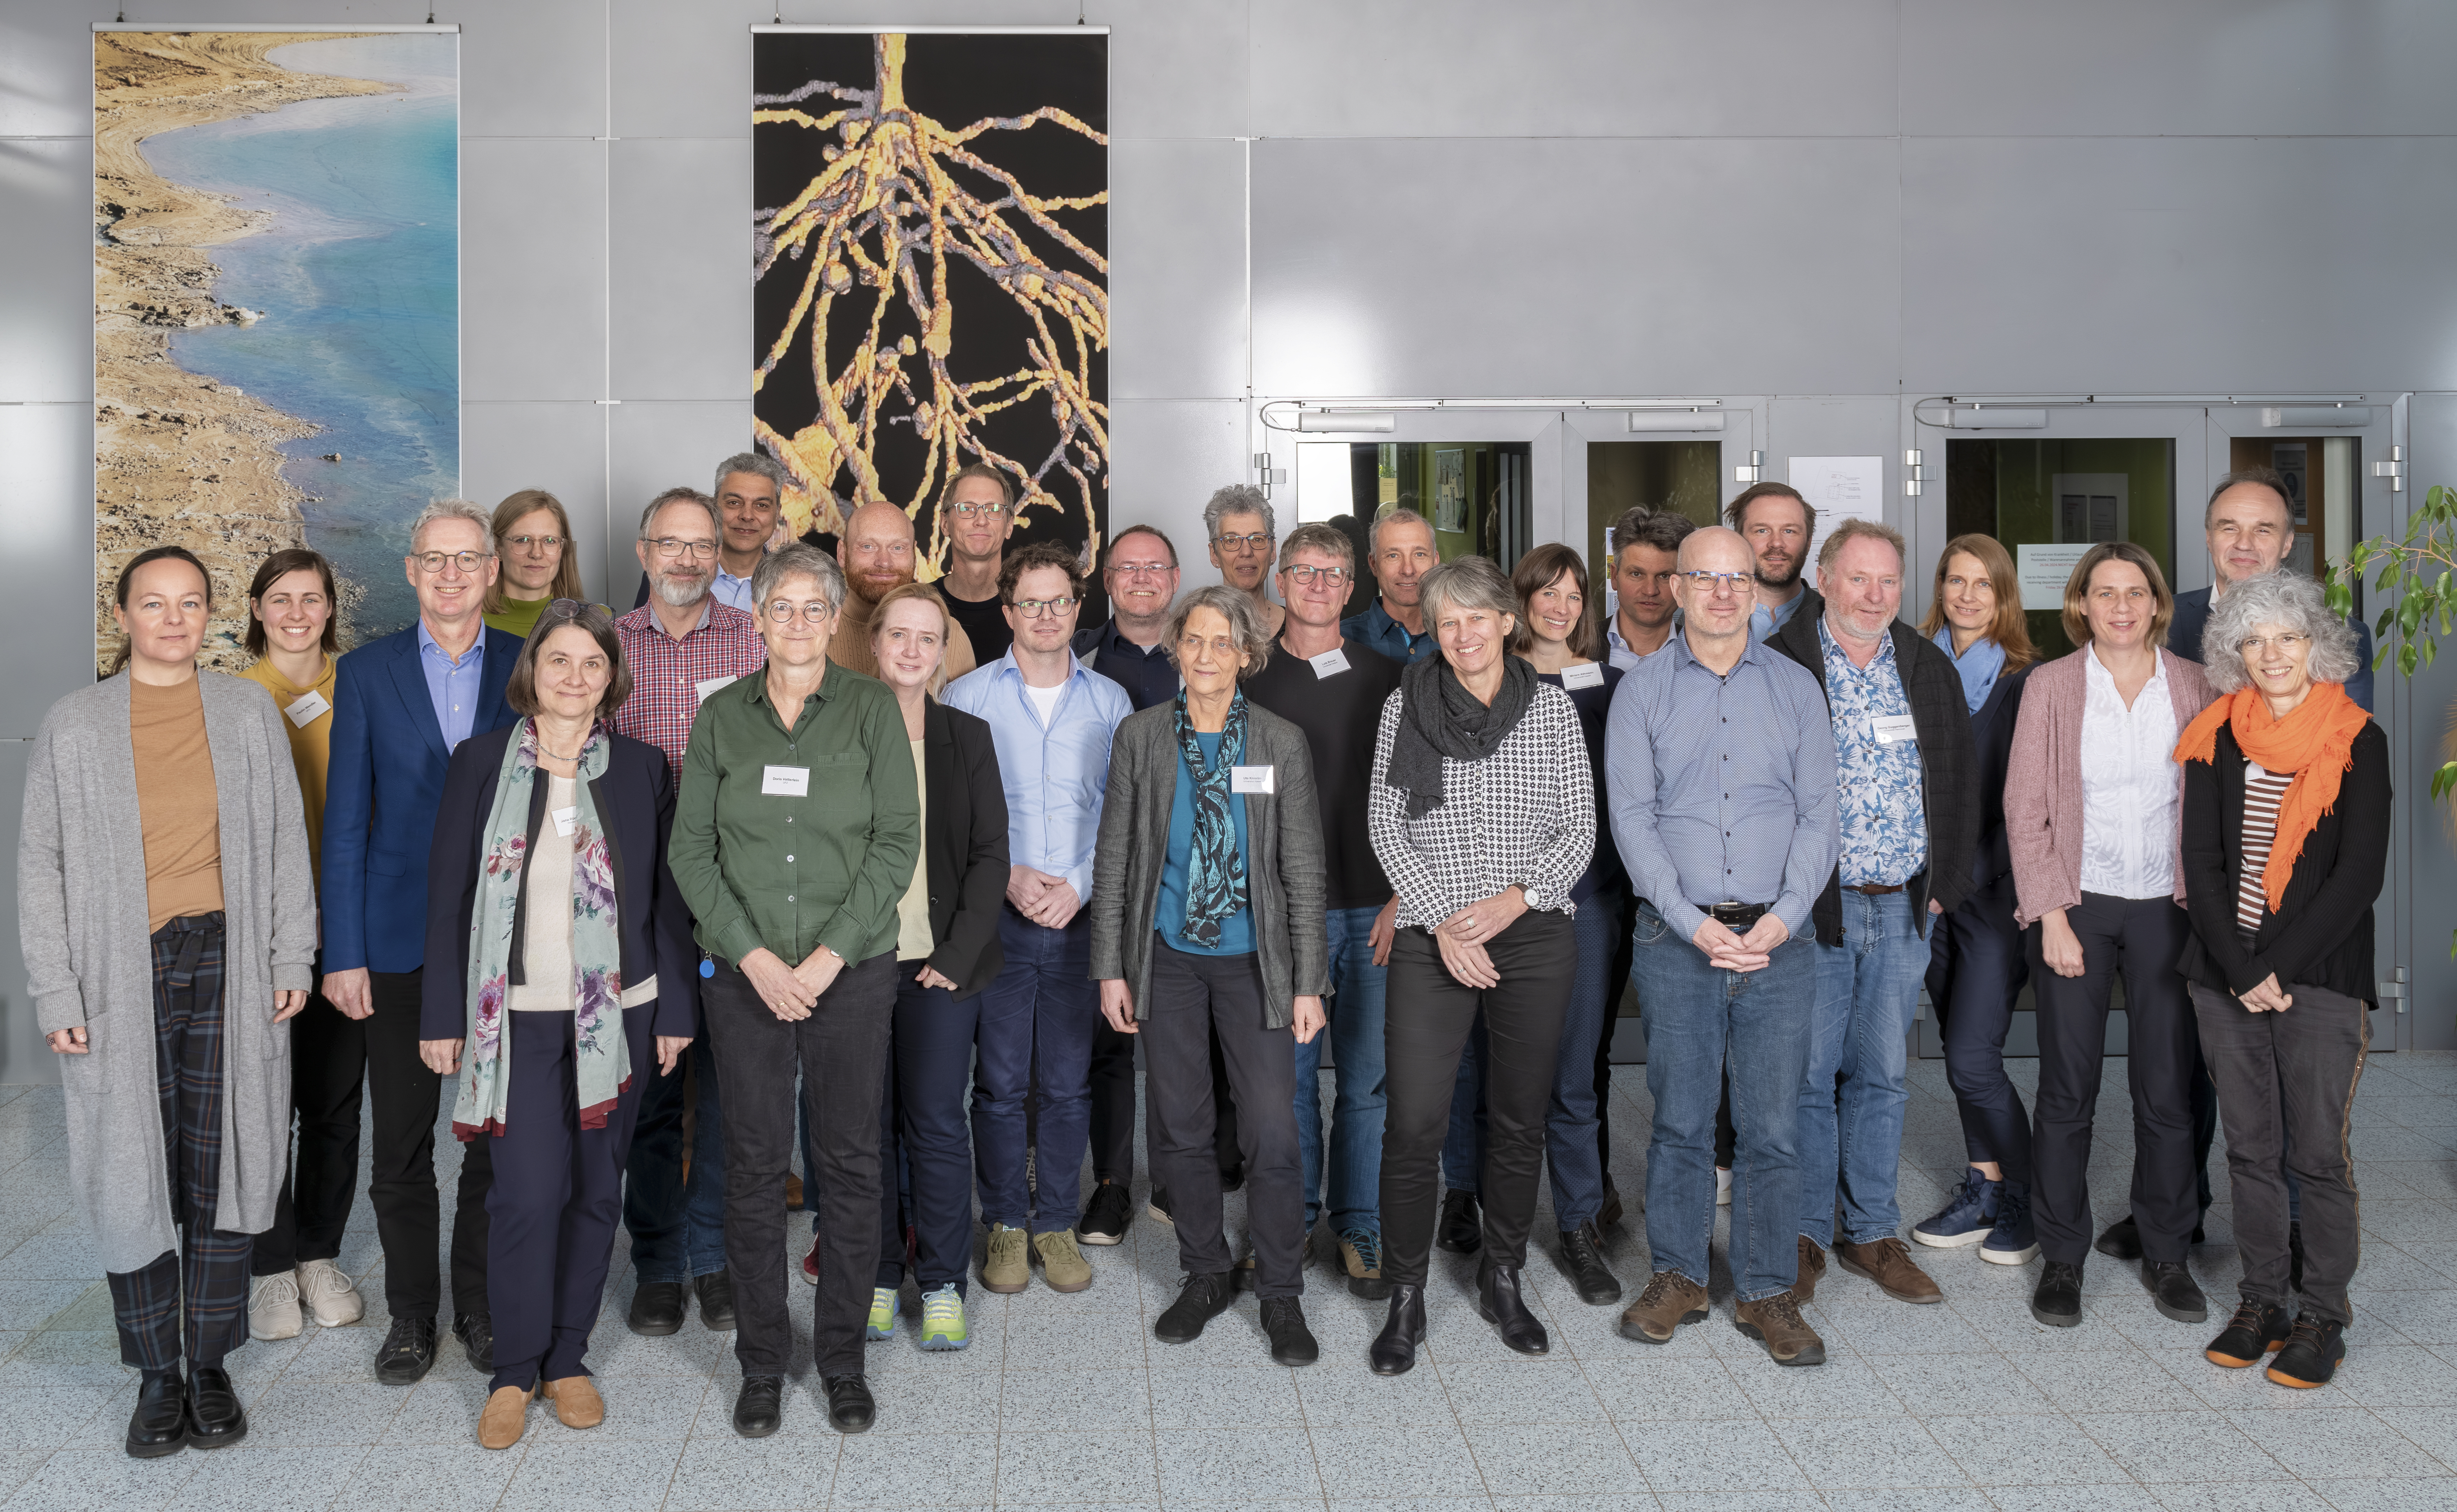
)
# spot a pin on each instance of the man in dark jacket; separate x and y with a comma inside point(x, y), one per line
point(1908, 810)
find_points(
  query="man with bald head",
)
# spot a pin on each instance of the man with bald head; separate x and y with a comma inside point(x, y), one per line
point(876, 551)
point(1720, 769)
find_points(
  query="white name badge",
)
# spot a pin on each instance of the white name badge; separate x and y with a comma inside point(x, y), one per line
point(788, 782)
point(1330, 664)
point(1890, 728)
point(304, 712)
point(566, 820)
point(1590, 675)
point(704, 688)
point(1250, 780)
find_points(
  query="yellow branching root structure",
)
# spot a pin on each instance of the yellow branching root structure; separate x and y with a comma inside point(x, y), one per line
point(880, 225)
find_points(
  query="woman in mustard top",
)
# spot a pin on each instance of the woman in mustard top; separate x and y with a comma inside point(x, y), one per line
point(292, 630)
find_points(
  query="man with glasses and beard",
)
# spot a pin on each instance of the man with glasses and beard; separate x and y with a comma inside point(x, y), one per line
point(877, 552)
point(978, 513)
point(682, 647)
point(1778, 525)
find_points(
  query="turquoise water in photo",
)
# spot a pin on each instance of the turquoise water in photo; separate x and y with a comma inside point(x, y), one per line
point(357, 277)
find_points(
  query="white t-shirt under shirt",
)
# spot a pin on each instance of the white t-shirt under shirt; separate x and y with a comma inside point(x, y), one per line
point(1045, 702)
point(546, 922)
point(913, 941)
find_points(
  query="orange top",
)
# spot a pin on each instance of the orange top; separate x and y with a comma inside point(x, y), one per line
point(177, 809)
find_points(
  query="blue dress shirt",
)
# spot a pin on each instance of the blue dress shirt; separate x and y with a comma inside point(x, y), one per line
point(452, 685)
point(1764, 622)
point(734, 593)
point(1723, 788)
point(1055, 777)
point(1377, 629)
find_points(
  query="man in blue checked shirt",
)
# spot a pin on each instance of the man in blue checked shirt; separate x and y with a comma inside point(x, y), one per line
point(1051, 720)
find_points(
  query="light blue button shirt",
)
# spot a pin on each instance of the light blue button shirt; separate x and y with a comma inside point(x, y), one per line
point(1764, 622)
point(734, 593)
point(1055, 777)
point(453, 685)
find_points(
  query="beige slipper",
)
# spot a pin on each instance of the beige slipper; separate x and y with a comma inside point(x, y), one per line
point(507, 1414)
point(577, 1402)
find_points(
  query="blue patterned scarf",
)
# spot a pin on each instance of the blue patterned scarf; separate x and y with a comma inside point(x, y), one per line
point(1215, 873)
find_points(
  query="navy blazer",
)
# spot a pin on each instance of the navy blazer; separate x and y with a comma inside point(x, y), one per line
point(380, 791)
point(1991, 730)
point(963, 846)
point(634, 798)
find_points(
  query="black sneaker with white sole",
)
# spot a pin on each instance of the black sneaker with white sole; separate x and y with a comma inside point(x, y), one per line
point(1106, 1216)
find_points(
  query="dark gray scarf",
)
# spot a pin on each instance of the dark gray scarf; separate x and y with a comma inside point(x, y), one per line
point(1440, 717)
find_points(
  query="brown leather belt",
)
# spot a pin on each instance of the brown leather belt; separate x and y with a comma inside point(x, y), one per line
point(1872, 888)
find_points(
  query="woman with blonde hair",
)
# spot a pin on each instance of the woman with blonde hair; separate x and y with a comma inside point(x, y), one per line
point(533, 541)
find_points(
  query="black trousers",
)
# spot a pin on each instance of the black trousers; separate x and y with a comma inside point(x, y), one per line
point(1624, 953)
point(328, 1079)
point(1428, 1018)
point(842, 1052)
point(1202, 1005)
point(402, 1097)
point(2141, 939)
point(1975, 970)
point(1113, 1109)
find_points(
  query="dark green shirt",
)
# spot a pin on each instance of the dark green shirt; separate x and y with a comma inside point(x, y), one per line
point(793, 873)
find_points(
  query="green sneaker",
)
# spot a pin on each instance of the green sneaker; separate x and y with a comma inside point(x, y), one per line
point(1062, 1264)
point(942, 1319)
point(886, 1303)
point(1008, 1267)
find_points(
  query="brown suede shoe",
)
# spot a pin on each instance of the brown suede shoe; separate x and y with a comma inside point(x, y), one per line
point(1775, 1321)
point(507, 1415)
point(1889, 1263)
point(1812, 1270)
point(577, 1402)
point(1670, 1299)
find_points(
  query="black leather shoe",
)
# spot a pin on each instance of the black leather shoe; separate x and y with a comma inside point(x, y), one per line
point(2121, 1240)
point(407, 1353)
point(1200, 1298)
point(1394, 1350)
point(2057, 1301)
point(760, 1408)
point(851, 1407)
point(2174, 1290)
point(2256, 1330)
point(1497, 1299)
point(476, 1332)
point(1583, 1257)
point(216, 1420)
point(2295, 1257)
point(1284, 1324)
point(657, 1309)
point(716, 1300)
point(1462, 1225)
point(2313, 1353)
point(159, 1424)
point(1233, 1178)
point(1610, 1213)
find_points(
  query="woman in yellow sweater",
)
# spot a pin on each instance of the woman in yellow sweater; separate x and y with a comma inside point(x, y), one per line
point(292, 630)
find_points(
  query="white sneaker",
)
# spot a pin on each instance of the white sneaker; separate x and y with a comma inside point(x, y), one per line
point(273, 1306)
point(1723, 1187)
point(329, 1293)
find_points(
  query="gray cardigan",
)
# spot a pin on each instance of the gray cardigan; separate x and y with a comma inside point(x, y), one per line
point(1284, 858)
point(84, 927)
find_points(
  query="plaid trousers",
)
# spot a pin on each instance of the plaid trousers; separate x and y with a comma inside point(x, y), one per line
point(211, 1265)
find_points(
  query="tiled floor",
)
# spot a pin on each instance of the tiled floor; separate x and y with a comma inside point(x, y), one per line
point(1063, 1400)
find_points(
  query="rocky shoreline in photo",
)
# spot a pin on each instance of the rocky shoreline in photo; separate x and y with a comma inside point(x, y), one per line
point(180, 459)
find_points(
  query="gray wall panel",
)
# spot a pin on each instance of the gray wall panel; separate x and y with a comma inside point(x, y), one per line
point(47, 248)
point(1177, 251)
point(682, 269)
point(653, 448)
point(1170, 454)
point(559, 448)
point(46, 476)
point(533, 311)
point(49, 49)
point(2431, 738)
point(682, 67)
point(24, 1056)
point(536, 68)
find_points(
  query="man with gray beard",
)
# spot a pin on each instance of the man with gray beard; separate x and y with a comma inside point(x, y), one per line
point(681, 646)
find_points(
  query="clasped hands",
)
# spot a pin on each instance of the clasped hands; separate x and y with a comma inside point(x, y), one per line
point(1462, 937)
point(1726, 951)
point(1047, 901)
point(286, 1005)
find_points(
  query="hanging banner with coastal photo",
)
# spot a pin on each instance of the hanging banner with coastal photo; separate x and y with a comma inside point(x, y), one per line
point(931, 271)
point(276, 306)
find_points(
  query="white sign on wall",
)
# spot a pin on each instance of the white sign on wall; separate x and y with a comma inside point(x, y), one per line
point(2045, 570)
point(1838, 488)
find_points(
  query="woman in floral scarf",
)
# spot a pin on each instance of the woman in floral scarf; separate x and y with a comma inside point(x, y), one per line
point(550, 915)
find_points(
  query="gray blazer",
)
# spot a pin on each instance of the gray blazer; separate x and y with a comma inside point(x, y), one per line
point(84, 926)
point(1284, 858)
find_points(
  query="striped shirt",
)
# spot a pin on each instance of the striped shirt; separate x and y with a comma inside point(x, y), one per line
point(2263, 791)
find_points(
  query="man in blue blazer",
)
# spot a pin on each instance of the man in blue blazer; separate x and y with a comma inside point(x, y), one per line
point(400, 705)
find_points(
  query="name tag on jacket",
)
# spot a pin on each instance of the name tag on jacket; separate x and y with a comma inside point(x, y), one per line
point(1250, 780)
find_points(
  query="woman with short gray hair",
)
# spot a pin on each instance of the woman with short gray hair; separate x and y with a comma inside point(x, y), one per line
point(2286, 843)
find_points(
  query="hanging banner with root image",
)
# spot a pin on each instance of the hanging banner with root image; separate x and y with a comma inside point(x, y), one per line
point(932, 274)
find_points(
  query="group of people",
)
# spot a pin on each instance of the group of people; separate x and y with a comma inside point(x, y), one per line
point(801, 853)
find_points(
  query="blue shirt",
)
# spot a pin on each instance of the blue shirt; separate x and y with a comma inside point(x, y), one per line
point(1377, 629)
point(452, 685)
point(1764, 622)
point(734, 593)
point(1881, 810)
point(1145, 672)
point(1168, 913)
point(1055, 777)
point(1722, 788)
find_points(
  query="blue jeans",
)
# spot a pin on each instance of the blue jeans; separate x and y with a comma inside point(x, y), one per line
point(1851, 1137)
point(1356, 1008)
point(1035, 1035)
point(1701, 1022)
point(677, 1227)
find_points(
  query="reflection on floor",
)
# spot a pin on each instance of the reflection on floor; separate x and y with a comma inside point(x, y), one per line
point(1065, 1400)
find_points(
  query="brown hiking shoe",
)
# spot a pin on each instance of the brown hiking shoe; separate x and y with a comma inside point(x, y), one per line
point(1775, 1321)
point(1670, 1299)
point(1889, 1263)
point(1812, 1270)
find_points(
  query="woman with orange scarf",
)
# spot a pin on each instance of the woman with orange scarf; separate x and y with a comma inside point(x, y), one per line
point(2286, 824)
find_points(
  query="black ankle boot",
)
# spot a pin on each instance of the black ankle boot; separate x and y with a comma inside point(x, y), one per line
point(1497, 1299)
point(2058, 1300)
point(159, 1424)
point(1394, 1351)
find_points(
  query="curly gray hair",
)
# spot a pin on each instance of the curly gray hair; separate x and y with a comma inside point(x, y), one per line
point(799, 560)
point(2293, 603)
point(1239, 498)
point(1468, 582)
point(1246, 625)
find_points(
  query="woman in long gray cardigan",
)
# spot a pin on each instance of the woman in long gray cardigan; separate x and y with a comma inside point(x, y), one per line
point(167, 913)
point(1207, 919)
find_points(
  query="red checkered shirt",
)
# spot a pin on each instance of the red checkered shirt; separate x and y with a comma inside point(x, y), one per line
point(667, 675)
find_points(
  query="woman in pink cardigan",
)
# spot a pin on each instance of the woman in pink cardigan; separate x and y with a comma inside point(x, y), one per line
point(2092, 815)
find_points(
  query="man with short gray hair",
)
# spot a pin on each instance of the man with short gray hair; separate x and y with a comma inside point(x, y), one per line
point(1245, 537)
point(749, 492)
point(1402, 553)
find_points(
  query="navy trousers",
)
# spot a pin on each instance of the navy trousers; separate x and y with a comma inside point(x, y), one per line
point(1974, 974)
